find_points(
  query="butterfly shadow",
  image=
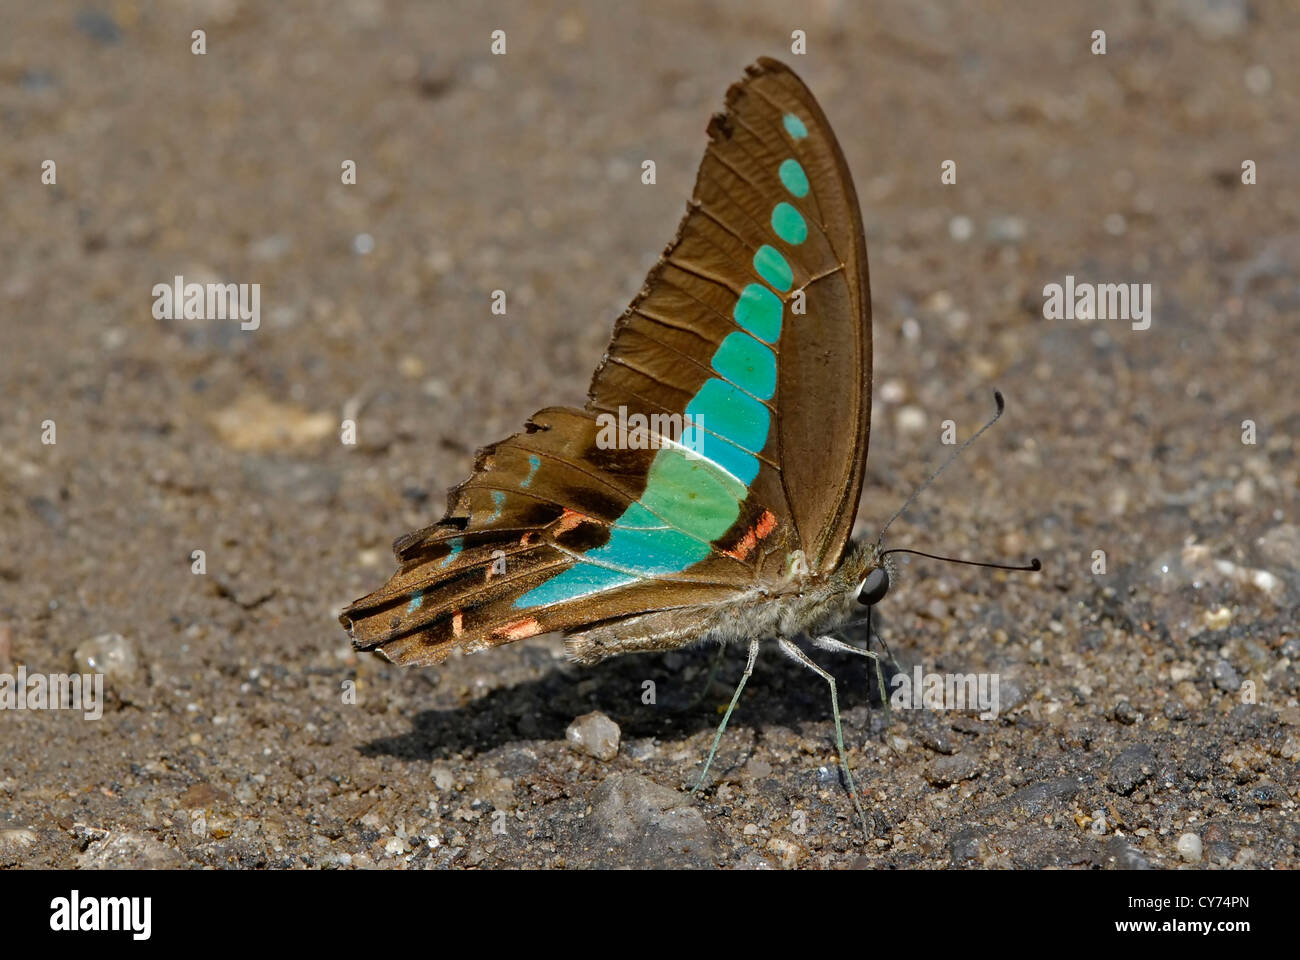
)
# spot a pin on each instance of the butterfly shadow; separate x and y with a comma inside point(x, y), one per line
point(660, 696)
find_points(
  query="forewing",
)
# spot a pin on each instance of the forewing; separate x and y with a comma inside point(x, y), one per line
point(773, 228)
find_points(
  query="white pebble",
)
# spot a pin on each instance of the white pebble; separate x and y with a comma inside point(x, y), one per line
point(1189, 847)
point(595, 735)
point(910, 419)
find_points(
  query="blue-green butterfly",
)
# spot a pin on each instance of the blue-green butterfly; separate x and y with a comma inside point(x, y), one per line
point(754, 331)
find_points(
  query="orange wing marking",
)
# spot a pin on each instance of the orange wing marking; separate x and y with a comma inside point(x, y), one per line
point(766, 524)
point(519, 630)
point(568, 520)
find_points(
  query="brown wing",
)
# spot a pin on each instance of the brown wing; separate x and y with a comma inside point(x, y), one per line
point(544, 502)
point(814, 461)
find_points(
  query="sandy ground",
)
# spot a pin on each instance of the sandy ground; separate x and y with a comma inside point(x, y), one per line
point(1149, 713)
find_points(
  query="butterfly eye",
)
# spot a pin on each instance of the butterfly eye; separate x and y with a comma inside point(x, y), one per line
point(874, 588)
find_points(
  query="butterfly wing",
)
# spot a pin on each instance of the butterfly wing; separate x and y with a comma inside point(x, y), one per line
point(774, 215)
point(568, 524)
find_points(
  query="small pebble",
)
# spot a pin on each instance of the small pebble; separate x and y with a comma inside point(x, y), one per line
point(129, 850)
point(1218, 618)
point(442, 778)
point(910, 419)
point(110, 654)
point(1189, 848)
point(949, 770)
point(1175, 710)
point(595, 735)
point(1225, 676)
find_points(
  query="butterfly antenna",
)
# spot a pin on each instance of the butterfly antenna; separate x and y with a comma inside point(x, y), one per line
point(1032, 566)
point(1002, 405)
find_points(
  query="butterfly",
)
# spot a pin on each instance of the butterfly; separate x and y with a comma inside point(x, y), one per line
point(752, 334)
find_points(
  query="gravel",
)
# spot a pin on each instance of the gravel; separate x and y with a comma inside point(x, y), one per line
point(1150, 672)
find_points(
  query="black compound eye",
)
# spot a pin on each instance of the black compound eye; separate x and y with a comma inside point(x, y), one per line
point(874, 587)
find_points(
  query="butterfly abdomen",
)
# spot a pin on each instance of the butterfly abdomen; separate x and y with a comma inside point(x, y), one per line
point(784, 609)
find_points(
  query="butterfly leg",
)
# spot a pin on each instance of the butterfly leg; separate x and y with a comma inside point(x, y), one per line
point(839, 646)
point(798, 655)
point(735, 698)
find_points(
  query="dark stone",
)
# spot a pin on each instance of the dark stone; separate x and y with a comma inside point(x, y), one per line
point(1126, 713)
point(1131, 769)
point(1038, 798)
point(954, 769)
point(1268, 795)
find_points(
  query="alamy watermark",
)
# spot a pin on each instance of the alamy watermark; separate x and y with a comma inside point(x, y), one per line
point(946, 691)
point(75, 913)
point(179, 300)
point(1098, 301)
point(53, 691)
point(640, 431)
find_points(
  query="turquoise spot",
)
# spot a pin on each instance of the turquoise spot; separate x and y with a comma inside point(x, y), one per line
point(741, 464)
point(417, 598)
point(793, 177)
point(748, 364)
point(456, 543)
point(794, 126)
point(579, 580)
point(772, 267)
point(732, 414)
point(534, 462)
point(648, 552)
point(499, 500)
point(759, 311)
point(789, 224)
